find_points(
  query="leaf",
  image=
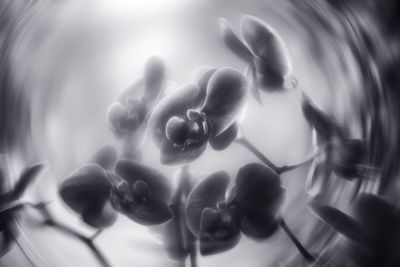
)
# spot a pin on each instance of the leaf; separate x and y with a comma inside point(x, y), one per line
point(174, 104)
point(259, 196)
point(86, 188)
point(205, 194)
point(224, 139)
point(154, 78)
point(6, 239)
point(219, 230)
point(201, 77)
point(132, 172)
point(26, 178)
point(226, 95)
point(234, 43)
point(322, 123)
point(339, 221)
point(267, 45)
point(105, 157)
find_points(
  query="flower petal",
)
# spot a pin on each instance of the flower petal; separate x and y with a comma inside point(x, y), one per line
point(226, 95)
point(87, 190)
point(173, 155)
point(259, 195)
point(154, 79)
point(133, 172)
point(151, 212)
point(224, 139)
point(201, 77)
point(130, 92)
point(103, 216)
point(266, 44)
point(219, 230)
point(233, 42)
point(206, 193)
point(105, 157)
point(174, 104)
point(339, 221)
point(323, 124)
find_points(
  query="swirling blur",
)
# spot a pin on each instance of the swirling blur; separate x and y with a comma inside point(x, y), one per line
point(63, 62)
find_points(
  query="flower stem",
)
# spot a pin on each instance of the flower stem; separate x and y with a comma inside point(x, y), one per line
point(296, 242)
point(247, 144)
point(49, 221)
point(287, 168)
point(193, 255)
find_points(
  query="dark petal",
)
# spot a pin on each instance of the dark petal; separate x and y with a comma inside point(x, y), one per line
point(26, 178)
point(233, 42)
point(317, 119)
point(105, 157)
point(173, 155)
point(379, 218)
point(259, 196)
point(201, 77)
point(177, 130)
point(265, 43)
point(339, 221)
point(151, 212)
point(86, 188)
point(226, 95)
point(131, 92)
point(174, 104)
point(101, 216)
point(224, 139)
point(206, 193)
point(268, 79)
point(133, 172)
point(346, 157)
point(154, 77)
point(219, 230)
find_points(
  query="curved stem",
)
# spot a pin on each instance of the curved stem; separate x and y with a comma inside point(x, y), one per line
point(296, 242)
point(287, 168)
point(247, 144)
point(49, 221)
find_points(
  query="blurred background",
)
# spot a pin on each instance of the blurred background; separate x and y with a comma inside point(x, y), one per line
point(63, 62)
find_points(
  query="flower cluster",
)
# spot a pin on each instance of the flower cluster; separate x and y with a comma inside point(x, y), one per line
point(183, 124)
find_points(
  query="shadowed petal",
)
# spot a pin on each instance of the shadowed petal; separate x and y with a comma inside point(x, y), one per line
point(86, 191)
point(174, 104)
point(151, 212)
point(219, 230)
point(233, 42)
point(224, 139)
point(339, 221)
point(173, 155)
point(206, 193)
point(154, 78)
point(258, 196)
point(157, 183)
point(267, 45)
point(201, 77)
point(226, 95)
point(105, 157)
